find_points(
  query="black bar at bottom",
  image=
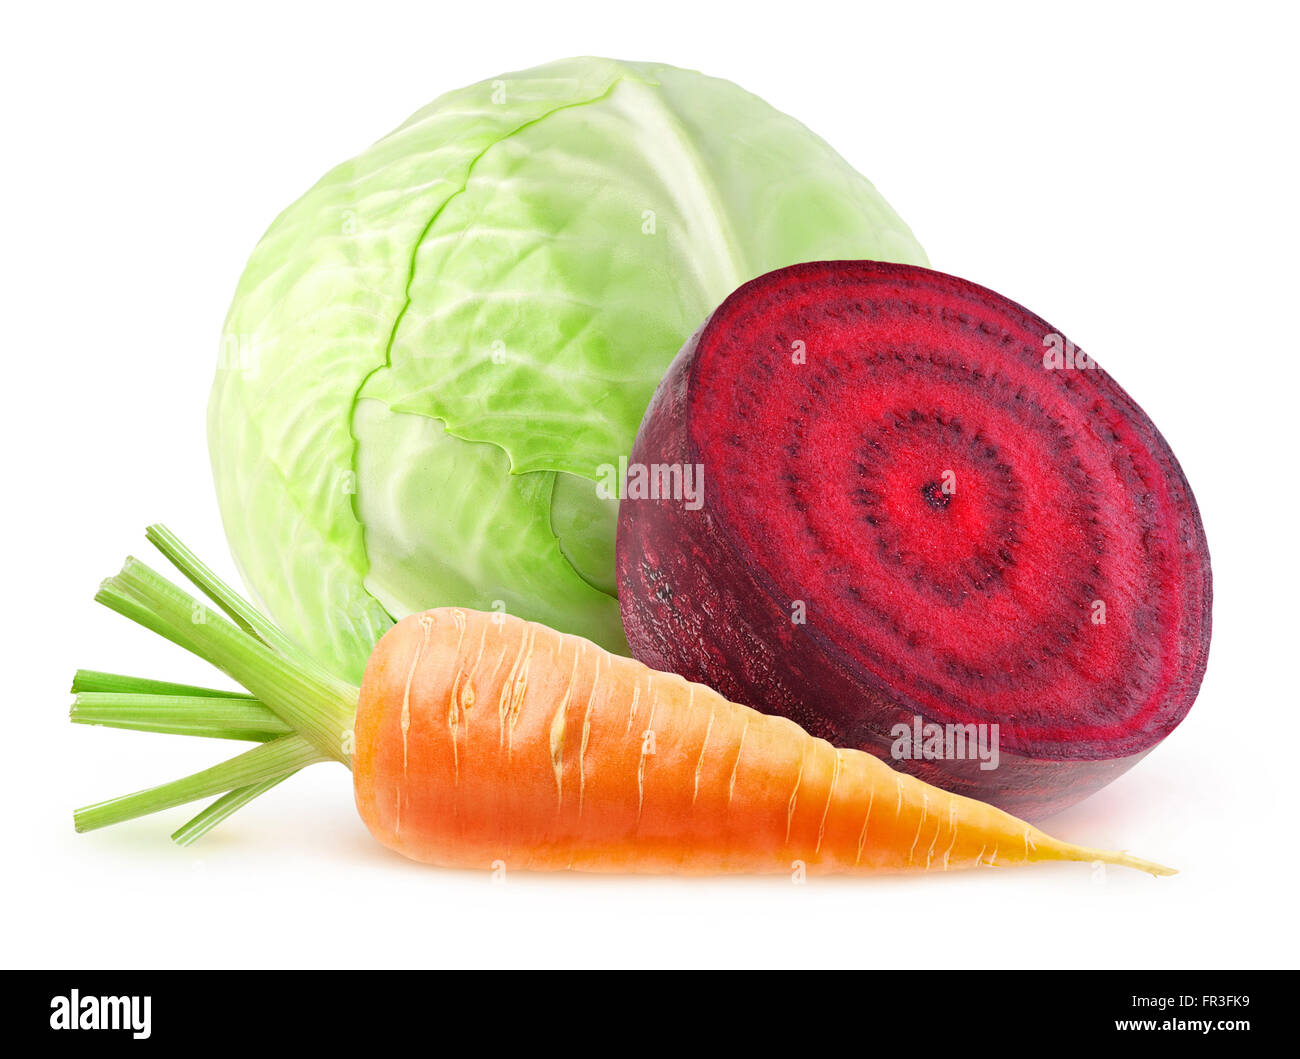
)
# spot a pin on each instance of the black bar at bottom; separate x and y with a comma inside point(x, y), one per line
point(330, 1009)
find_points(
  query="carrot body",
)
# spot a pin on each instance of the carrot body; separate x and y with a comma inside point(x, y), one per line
point(483, 740)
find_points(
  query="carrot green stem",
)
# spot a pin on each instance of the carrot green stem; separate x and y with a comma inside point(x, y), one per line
point(320, 710)
point(216, 717)
point(300, 711)
point(92, 680)
point(228, 803)
point(276, 759)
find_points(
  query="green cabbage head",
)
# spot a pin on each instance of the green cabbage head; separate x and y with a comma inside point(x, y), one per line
point(432, 353)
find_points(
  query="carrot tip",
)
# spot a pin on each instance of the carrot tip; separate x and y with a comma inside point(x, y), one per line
point(1128, 861)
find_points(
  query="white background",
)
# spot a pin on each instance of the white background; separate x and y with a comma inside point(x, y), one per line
point(1128, 171)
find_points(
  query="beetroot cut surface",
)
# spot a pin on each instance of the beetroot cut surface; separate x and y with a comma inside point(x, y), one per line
point(919, 501)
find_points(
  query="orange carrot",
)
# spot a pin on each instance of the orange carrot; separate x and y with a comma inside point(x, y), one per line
point(482, 740)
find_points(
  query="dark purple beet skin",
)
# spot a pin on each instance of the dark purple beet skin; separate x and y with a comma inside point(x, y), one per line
point(697, 600)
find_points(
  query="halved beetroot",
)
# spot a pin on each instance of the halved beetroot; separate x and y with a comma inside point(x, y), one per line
point(921, 506)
